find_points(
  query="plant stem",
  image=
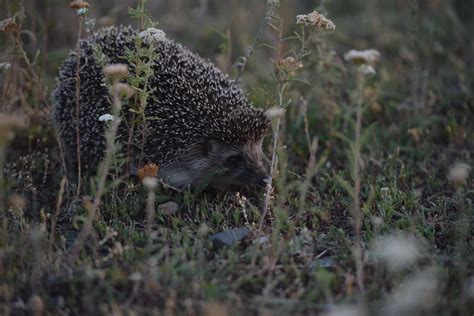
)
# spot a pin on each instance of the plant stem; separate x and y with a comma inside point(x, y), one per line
point(102, 175)
point(275, 137)
point(78, 90)
point(356, 211)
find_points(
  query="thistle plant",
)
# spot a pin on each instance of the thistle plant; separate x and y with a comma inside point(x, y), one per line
point(141, 60)
point(365, 60)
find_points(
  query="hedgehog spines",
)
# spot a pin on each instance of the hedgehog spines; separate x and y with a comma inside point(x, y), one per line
point(192, 101)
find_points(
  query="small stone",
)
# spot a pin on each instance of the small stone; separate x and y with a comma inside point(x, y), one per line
point(169, 208)
point(35, 305)
point(459, 173)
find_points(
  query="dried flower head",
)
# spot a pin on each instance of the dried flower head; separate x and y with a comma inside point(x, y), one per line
point(78, 4)
point(35, 305)
point(289, 64)
point(315, 19)
point(415, 133)
point(367, 70)
point(7, 124)
point(116, 71)
point(8, 26)
point(369, 56)
point(459, 173)
point(152, 36)
point(150, 170)
point(17, 202)
point(124, 90)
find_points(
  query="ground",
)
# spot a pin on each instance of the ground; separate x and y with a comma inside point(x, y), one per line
point(391, 152)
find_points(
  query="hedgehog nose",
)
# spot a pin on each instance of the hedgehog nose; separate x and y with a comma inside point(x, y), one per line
point(263, 182)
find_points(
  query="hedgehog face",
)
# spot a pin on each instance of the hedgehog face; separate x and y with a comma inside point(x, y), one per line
point(242, 166)
point(219, 166)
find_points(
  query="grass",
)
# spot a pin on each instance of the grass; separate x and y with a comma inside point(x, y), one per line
point(346, 156)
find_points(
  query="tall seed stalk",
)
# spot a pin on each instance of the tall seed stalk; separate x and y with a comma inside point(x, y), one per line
point(102, 173)
point(80, 20)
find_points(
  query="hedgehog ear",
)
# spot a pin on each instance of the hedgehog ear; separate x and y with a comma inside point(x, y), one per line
point(209, 147)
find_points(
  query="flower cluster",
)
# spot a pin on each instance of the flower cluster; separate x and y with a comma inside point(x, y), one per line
point(315, 19)
point(116, 71)
point(366, 58)
point(367, 70)
point(8, 26)
point(78, 5)
point(148, 171)
point(369, 56)
point(124, 90)
point(152, 36)
point(289, 64)
point(82, 7)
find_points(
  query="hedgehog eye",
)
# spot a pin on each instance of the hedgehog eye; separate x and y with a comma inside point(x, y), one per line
point(234, 159)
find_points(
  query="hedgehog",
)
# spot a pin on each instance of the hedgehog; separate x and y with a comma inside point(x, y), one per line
point(202, 127)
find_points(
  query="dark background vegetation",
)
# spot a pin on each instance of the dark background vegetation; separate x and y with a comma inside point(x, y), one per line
point(419, 120)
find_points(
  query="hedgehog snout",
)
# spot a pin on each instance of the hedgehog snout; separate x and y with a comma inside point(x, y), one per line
point(263, 181)
point(257, 174)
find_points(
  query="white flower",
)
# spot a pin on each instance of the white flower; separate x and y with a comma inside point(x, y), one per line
point(315, 19)
point(135, 277)
point(152, 36)
point(369, 56)
point(82, 11)
point(116, 71)
point(458, 173)
point(5, 66)
point(397, 250)
point(345, 310)
point(150, 182)
point(418, 291)
point(106, 117)
point(367, 70)
point(275, 112)
point(385, 192)
point(124, 90)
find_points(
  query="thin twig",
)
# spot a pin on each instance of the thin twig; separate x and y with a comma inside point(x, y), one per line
point(52, 234)
point(356, 211)
point(250, 49)
point(78, 90)
point(102, 175)
point(150, 214)
point(269, 186)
